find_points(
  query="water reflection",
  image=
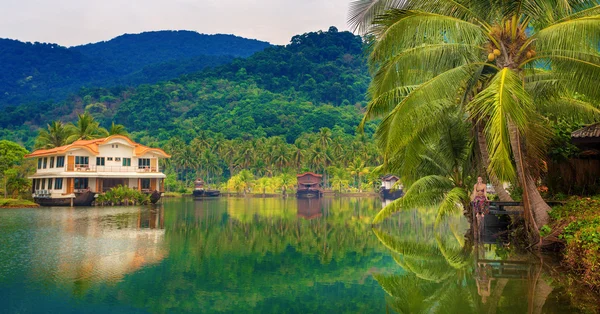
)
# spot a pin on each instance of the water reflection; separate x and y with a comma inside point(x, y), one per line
point(455, 273)
point(272, 255)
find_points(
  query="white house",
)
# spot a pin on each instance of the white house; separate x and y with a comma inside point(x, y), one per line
point(74, 173)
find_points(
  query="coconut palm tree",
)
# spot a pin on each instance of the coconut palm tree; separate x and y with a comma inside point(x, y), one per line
point(435, 169)
point(56, 135)
point(117, 129)
point(492, 58)
point(86, 128)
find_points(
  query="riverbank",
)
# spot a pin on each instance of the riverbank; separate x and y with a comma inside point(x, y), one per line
point(576, 225)
point(17, 203)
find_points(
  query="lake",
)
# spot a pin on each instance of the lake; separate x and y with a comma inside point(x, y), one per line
point(272, 255)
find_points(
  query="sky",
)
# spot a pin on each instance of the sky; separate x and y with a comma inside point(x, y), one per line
point(76, 22)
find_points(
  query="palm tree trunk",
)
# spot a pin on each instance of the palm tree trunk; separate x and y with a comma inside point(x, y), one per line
point(485, 158)
point(533, 202)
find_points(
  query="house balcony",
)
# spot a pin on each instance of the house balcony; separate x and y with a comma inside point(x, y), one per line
point(117, 169)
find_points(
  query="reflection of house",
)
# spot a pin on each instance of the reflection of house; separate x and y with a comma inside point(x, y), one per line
point(76, 171)
point(100, 244)
point(309, 208)
point(580, 174)
point(309, 185)
point(389, 189)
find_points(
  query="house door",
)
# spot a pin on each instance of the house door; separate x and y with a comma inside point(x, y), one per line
point(70, 163)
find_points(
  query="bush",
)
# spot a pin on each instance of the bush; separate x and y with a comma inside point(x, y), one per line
point(123, 195)
point(582, 236)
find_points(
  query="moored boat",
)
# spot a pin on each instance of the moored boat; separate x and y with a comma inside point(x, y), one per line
point(201, 192)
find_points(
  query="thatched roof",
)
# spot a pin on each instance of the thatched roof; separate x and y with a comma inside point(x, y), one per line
point(590, 131)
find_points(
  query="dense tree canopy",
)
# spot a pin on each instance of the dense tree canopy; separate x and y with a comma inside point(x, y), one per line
point(34, 72)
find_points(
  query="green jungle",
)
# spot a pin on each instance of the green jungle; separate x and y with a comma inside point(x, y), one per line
point(437, 93)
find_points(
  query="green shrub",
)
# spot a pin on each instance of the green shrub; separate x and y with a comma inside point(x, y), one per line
point(123, 195)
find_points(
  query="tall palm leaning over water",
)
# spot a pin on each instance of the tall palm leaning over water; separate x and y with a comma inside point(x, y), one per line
point(507, 64)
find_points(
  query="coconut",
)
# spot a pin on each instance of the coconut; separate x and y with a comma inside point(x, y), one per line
point(491, 57)
point(528, 55)
point(497, 52)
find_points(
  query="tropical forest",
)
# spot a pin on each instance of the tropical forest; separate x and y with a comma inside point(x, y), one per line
point(433, 156)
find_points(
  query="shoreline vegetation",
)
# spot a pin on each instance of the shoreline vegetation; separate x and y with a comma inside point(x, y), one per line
point(17, 203)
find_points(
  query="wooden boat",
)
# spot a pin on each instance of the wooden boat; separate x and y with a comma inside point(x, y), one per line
point(387, 190)
point(201, 192)
point(155, 197)
point(81, 199)
point(309, 185)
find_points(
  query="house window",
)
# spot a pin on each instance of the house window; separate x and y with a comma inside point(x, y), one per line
point(60, 161)
point(81, 183)
point(50, 184)
point(39, 163)
point(37, 184)
point(109, 158)
point(144, 163)
point(145, 184)
point(58, 184)
point(126, 162)
point(51, 162)
point(115, 145)
point(45, 162)
point(43, 184)
point(82, 161)
point(117, 158)
point(100, 161)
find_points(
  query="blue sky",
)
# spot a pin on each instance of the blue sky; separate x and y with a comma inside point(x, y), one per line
point(75, 22)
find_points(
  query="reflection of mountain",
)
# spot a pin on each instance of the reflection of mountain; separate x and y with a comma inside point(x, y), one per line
point(309, 208)
point(102, 245)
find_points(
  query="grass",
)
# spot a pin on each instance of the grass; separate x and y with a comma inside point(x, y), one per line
point(16, 203)
point(580, 217)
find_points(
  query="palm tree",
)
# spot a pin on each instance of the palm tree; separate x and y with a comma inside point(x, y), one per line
point(436, 170)
point(87, 128)
point(56, 135)
point(117, 129)
point(324, 137)
point(492, 58)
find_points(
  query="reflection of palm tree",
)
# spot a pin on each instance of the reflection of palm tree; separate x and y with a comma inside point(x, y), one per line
point(434, 279)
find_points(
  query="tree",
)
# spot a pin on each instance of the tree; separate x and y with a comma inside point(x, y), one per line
point(56, 135)
point(11, 155)
point(117, 129)
point(435, 171)
point(86, 128)
point(493, 60)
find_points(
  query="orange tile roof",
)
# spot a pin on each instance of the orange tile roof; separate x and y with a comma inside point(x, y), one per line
point(92, 147)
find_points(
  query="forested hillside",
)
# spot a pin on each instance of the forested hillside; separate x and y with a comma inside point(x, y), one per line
point(33, 72)
point(318, 80)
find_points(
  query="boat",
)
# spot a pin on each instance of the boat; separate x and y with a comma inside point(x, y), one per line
point(44, 198)
point(201, 192)
point(389, 189)
point(309, 185)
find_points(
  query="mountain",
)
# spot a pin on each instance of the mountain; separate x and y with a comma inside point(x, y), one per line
point(49, 72)
point(318, 80)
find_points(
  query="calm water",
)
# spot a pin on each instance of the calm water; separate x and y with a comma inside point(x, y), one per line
point(265, 256)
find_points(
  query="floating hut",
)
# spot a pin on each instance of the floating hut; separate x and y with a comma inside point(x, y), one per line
point(309, 185)
point(201, 192)
point(388, 190)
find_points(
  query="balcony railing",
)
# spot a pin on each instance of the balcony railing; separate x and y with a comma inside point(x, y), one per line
point(88, 168)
